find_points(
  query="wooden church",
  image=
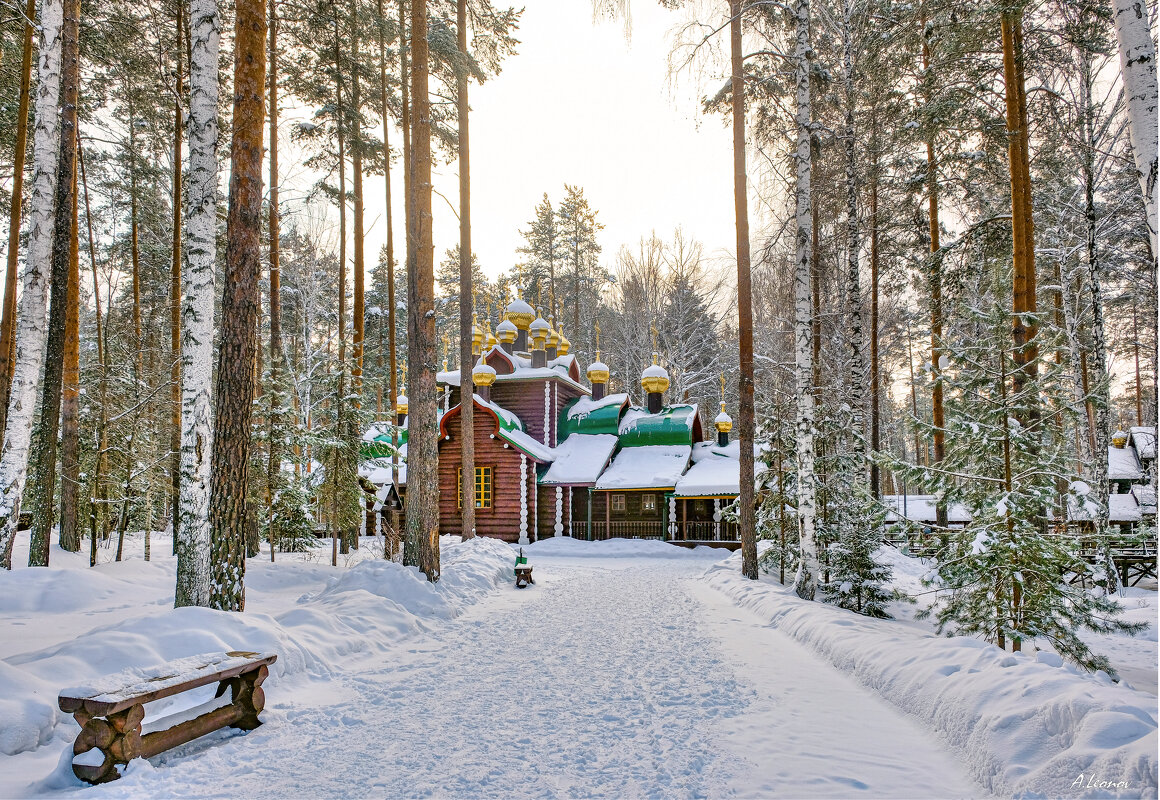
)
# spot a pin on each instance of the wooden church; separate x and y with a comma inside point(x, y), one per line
point(556, 456)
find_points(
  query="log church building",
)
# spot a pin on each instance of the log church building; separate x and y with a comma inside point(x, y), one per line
point(557, 455)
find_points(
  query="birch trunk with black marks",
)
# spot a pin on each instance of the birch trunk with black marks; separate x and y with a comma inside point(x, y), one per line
point(32, 320)
point(1138, 69)
point(197, 309)
point(50, 391)
point(806, 580)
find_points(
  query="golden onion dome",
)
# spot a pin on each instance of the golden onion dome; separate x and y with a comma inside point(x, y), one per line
point(655, 378)
point(401, 404)
point(539, 330)
point(477, 335)
point(519, 314)
point(564, 346)
point(1119, 439)
point(483, 374)
point(598, 370)
point(489, 339)
point(506, 331)
point(723, 422)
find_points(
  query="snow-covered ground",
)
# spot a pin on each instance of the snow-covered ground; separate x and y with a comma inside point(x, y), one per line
point(629, 669)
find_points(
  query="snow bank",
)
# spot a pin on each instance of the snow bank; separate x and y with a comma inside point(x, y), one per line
point(364, 609)
point(564, 546)
point(1025, 725)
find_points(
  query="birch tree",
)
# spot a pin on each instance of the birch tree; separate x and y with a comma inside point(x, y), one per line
point(32, 327)
point(1138, 68)
point(805, 582)
point(197, 311)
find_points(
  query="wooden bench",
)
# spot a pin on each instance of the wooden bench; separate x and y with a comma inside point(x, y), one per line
point(111, 712)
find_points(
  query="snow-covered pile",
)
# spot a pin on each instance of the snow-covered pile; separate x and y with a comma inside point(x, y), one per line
point(363, 609)
point(617, 548)
point(1026, 725)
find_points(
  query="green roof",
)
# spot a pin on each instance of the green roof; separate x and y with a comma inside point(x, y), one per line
point(380, 446)
point(672, 425)
point(585, 415)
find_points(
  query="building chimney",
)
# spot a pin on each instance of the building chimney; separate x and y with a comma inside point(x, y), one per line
point(655, 380)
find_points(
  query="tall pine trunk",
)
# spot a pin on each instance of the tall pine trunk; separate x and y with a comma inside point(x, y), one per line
point(234, 393)
point(422, 542)
point(50, 392)
point(392, 385)
point(197, 309)
point(938, 416)
point(340, 396)
point(8, 322)
point(745, 422)
point(466, 298)
point(32, 321)
point(806, 580)
point(1023, 241)
point(70, 468)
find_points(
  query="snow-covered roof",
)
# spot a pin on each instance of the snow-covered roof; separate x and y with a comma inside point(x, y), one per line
point(580, 459)
point(921, 508)
point(647, 467)
point(671, 425)
point(1123, 464)
point(716, 471)
point(510, 429)
point(1144, 440)
point(557, 369)
point(1121, 508)
point(1145, 494)
point(584, 406)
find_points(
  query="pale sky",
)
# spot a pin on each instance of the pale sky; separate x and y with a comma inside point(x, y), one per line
point(579, 104)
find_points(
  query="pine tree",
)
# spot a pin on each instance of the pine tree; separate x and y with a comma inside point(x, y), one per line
point(234, 393)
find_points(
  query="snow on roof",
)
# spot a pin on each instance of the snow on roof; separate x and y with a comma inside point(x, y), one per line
point(1145, 494)
point(646, 467)
point(716, 471)
point(586, 405)
point(1121, 508)
point(522, 441)
point(711, 477)
point(921, 508)
point(580, 459)
point(671, 425)
point(1123, 464)
point(1144, 440)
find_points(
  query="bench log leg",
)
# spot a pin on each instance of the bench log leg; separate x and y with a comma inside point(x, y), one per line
point(119, 740)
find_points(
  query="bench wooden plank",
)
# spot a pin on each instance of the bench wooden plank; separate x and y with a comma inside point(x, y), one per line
point(114, 694)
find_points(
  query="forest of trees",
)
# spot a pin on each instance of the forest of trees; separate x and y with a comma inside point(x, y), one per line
point(954, 228)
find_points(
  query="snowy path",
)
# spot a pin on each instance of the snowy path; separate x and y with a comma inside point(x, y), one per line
point(609, 678)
